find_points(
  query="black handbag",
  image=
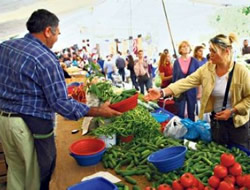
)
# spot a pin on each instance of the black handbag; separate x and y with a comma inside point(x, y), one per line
point(218, 127)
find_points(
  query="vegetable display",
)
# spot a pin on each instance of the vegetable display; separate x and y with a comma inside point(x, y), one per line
point(221, 180)
point(208, 166)
point(199, 163)
point(137, 122)
point(104, 92)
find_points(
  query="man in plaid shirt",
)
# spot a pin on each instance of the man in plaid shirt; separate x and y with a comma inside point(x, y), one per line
point(32, 89)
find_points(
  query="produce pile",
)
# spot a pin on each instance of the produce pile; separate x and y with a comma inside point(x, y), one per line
point(104, 91)
point(79, 93)
point(137, 122)
point(130, 159)
point(205, 166)
point(227, 175)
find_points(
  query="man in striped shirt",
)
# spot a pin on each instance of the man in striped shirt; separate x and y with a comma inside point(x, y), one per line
point(32, 89)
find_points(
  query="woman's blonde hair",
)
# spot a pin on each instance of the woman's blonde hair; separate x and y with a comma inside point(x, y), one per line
point(223, 41)
point(181, 44)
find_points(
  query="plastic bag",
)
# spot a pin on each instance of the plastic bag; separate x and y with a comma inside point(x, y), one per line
point(92, 100)
point(192, 132)
point(204, 130)
point(175, 128)
point(158, 81)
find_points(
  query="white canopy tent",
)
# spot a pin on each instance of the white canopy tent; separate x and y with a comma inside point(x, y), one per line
point(102, 21)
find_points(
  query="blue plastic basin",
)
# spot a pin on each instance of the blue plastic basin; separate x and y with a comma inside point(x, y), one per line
point(96, 183)
point(168, 159)
point(88, 160)
point(160, 117)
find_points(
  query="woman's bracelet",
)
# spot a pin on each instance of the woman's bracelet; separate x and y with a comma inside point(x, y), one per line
point(163, 94)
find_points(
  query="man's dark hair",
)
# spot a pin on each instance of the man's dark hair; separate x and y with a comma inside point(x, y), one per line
point(41, 19)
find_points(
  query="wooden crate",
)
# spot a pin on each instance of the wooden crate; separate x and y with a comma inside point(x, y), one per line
point(3, 168)
point(1, 148)
point(3, 179)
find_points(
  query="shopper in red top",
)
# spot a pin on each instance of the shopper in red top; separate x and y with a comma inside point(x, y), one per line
point(165, 69)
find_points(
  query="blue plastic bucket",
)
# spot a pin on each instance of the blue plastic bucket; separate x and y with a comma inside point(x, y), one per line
point(160, 117)
point(163, 111)
point(89, 159)
point(168, 159)
point(96, 183)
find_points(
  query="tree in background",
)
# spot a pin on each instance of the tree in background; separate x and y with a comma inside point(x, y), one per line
point(232, 19)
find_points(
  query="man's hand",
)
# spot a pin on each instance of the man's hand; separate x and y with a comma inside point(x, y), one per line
point(223, 115)
point(153, 94)
point(104, 111)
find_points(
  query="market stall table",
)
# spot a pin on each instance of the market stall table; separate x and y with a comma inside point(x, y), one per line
point(67, 171)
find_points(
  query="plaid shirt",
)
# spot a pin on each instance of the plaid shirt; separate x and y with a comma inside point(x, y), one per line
point(32, 81)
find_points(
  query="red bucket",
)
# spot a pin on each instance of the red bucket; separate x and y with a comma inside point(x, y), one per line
point(126, 105)
point(86, 147)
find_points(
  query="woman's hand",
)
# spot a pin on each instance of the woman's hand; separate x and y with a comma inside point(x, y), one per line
point(223, 115)
point(153, 94)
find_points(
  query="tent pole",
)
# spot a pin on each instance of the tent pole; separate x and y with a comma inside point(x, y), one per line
point(169, 29)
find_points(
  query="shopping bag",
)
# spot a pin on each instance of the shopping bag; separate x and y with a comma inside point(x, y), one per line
point(192, 132)
point(204, 130)
point(175, 128)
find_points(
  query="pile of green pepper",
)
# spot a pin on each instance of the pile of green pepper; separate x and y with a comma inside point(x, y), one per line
point(137, 122)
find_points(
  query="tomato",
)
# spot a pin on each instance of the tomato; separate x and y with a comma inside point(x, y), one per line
point(195, 182)
point(227, 159)
point(176, 185)
point(247, 181)
point(235, 169)
point(164, 187)
point(187, 180)
point(220, 171)
point(225, 186)
point(214, 181)
point(208, 188)
point(192, 188)
point(240, 180)
point(200, 186)
point(150, 188)
point(244, 188)
point(230, 179)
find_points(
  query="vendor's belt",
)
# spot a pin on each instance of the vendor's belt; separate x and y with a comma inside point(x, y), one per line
point(6, 114)
point(36, 136)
